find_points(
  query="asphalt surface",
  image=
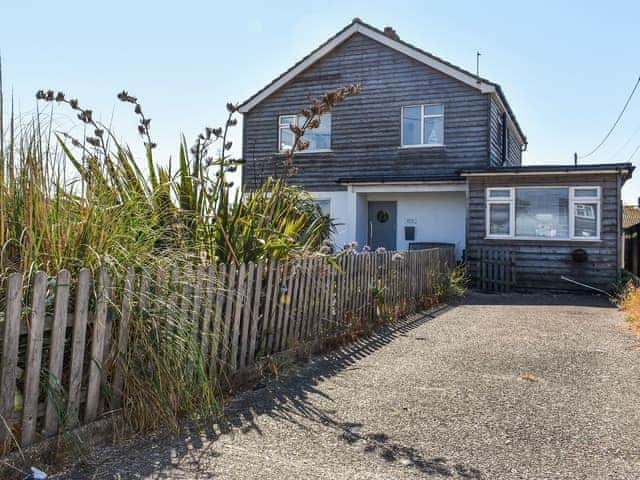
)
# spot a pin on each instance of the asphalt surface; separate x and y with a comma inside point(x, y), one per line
point(500, 387)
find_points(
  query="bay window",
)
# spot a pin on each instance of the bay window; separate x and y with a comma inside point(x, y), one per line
point(319, 138)
point(423, 125)
point(544, 213)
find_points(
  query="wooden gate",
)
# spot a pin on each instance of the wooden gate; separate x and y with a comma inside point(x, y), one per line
point(497, 270)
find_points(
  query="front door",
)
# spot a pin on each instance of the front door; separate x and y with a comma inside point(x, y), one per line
point(382, 225)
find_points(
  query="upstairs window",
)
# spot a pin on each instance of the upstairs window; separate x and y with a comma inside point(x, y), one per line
point(544, 213)
point(319, 138)
point(423, 125)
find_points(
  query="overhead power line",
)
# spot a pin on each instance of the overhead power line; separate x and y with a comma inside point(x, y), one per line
point(625, 144)
point(634, 153)
point(615, 124)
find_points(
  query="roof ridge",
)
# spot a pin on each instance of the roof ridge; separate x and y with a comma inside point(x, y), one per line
point(496, 88)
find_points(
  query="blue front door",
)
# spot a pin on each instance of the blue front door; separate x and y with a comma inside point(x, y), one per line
point(382, 225)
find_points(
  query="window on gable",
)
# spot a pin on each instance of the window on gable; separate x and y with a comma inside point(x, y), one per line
point(545, 213)
point(319, 138)
point(423, 125)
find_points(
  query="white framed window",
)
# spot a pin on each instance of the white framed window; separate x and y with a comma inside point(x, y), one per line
point(543, 213)
point(319, 138)
point(500, 214)
point(422, 125)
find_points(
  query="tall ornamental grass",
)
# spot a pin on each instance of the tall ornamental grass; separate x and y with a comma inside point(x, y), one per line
point(74, 202)
point(68, 202)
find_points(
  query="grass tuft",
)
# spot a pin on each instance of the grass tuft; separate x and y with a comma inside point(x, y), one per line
point(628, 300)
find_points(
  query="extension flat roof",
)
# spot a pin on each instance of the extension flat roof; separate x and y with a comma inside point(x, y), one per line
point(627, 168)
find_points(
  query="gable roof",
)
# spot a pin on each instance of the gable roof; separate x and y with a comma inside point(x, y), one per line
point(358, 26)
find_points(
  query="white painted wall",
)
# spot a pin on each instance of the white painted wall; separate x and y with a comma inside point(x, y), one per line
point(343, 208)
point(437, 216)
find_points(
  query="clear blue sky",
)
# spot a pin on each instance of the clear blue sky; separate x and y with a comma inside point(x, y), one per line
point(566, 67)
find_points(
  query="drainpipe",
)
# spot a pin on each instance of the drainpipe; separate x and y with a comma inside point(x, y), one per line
point(619, 225)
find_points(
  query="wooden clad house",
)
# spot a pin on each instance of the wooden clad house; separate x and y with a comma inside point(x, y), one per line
point(430, 153)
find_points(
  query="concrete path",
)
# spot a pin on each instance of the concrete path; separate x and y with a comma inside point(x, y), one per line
point(500, 387)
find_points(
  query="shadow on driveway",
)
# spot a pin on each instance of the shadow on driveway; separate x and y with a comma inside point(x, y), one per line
point(284, 399)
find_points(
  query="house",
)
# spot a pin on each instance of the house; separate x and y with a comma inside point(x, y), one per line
point(631, 231)
point(431, 153)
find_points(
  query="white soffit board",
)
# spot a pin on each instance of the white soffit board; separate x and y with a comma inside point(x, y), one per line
point(408, 188)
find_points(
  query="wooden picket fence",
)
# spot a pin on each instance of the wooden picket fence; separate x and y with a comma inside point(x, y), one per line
point(71, 333)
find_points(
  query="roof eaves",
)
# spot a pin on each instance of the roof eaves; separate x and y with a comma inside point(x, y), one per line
point(293, 67)
point(359, 26)
point(543, 169)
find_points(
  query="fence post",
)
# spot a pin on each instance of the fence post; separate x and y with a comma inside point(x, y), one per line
point(56, 354)
point(96, 367)
point(34, 359)
point(13, 317)
point(255, 312)
point(123, 337)
point(80, 320)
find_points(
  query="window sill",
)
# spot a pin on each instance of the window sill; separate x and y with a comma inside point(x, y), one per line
point(411, 147)
point(307, 152)
point(543, 239)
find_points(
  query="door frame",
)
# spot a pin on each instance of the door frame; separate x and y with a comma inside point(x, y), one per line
point(393, 220)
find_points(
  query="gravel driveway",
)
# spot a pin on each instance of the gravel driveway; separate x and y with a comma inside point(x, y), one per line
point(500, 387)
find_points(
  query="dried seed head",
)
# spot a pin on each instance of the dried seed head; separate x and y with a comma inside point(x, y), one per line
point(60, 97)
point(296, 130)
point(232, 122)
point(141, 129)
point(40, 95)
point(93, 141)
point(228, 145)
point(74, 103)
point(99, 132)
point(231, 108)
point(138, 109)
point(125, 97)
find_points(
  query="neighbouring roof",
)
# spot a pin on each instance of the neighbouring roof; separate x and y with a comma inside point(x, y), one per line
point(625, 168)
point(630, 216)
point(400, 179)
point(358, 26)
